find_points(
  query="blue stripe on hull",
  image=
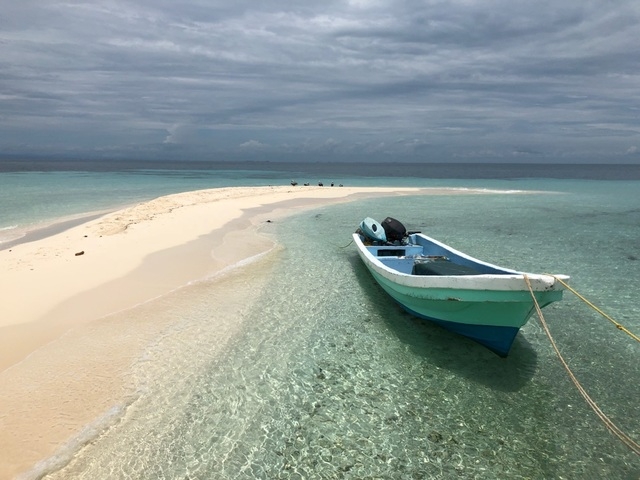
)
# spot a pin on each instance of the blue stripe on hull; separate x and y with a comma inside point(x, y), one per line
point(495, 338)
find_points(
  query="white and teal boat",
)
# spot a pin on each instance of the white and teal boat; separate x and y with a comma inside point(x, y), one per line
point(433, 281)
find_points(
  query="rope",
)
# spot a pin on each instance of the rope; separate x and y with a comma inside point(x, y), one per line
point(628, 441)
point(346, 244)
point(618, 326)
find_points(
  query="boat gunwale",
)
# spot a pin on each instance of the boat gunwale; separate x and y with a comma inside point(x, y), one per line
point(513, 280)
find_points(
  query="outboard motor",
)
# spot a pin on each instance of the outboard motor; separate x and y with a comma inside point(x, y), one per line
point(372, 230)
point(394, 230)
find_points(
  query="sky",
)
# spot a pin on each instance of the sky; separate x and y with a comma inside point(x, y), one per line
point(281, 80)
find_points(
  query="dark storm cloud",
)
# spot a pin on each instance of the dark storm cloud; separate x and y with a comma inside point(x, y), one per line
point(405, 80)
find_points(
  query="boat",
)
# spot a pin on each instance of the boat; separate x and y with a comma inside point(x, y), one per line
point(433, 281)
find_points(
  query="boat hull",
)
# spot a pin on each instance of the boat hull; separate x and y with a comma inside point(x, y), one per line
point(489, 308)
point(492, 318)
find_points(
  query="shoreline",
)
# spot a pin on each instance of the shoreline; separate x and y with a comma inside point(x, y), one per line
point(42, 231)
point(54, 294)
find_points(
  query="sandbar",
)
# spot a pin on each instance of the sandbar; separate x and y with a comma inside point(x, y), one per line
point(58, 289)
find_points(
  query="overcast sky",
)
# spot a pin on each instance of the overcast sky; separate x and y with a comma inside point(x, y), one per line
point(434, 81)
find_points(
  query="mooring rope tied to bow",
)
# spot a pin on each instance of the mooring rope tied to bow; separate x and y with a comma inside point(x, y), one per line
point(581, 297)
point(635, 447)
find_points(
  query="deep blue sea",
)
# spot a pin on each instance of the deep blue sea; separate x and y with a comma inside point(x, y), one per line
point(321, 376)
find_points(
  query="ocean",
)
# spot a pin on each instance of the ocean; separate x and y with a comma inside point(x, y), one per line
point(322, 376)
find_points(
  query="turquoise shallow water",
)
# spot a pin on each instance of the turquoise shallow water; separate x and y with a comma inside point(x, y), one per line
point(324, 377)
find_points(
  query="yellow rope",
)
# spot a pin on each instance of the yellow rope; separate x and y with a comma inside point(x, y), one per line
point(618, 326)
point(609, 424)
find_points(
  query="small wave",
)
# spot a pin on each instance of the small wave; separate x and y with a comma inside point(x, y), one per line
point(10, 233)
point(499, 191)
point(66, 452)
point(239, 264)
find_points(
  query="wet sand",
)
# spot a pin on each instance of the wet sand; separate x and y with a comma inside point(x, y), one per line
point(50, 230)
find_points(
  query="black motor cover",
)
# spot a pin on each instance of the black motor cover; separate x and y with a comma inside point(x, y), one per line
point(394, 229)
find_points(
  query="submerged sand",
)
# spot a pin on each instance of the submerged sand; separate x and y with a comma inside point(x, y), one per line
point(64, 356)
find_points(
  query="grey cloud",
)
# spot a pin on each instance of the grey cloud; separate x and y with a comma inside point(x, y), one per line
point(406, 80)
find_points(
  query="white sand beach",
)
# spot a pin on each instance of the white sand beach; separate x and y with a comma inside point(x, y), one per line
point(58, 291)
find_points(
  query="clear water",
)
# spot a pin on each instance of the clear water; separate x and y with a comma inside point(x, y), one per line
point(324, 377)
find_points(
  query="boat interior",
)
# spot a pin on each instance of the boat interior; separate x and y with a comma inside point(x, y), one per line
point(417, 259)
